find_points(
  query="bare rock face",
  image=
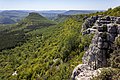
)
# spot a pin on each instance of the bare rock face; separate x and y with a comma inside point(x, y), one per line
point(102, 42)
point(89, 22)
point(98, 52)
point(106, 30)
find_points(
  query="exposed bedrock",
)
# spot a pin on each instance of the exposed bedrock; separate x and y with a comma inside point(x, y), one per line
point(105, 30)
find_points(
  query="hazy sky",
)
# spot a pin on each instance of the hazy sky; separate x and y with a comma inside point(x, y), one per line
point(58, 4)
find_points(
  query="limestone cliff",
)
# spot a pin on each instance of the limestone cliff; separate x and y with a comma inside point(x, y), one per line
point(105, 29)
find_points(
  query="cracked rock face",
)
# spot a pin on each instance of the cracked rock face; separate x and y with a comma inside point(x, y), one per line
point(89, 22)
point(98, 52)
point(106, 30)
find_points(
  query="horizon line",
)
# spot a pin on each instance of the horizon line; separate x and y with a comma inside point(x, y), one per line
point(50, 10)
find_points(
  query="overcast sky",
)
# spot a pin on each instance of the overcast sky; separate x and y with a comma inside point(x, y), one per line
point(58, 4)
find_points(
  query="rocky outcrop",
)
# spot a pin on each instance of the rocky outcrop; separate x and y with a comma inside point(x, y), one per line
point(98, 52)
point(89, 22)
point(106, 29)
point(84, 72)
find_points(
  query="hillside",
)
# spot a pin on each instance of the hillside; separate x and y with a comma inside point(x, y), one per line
point(4, 20)
point(13, 15)
point(74, 12)
point(16, 34)
point(111, 12)
point(48, 53)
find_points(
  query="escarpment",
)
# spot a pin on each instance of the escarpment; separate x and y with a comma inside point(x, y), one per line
point(105, 29)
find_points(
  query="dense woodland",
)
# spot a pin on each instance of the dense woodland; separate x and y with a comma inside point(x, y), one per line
point(40, 49)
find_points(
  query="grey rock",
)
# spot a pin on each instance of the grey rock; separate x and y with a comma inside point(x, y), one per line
point(89, 22)
point(100, 29)
point(118, 30)
point(85, 17)
point(106, 30)
point(85, 72)
point(94, 27)
point(112, 28)
point(108, 18)
point(118, 20)
point(103, 45)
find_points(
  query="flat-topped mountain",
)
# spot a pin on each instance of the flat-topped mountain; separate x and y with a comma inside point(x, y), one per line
point(36, 18)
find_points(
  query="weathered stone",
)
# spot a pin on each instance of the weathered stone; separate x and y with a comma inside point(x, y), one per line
point(92, 31)
point(100, 29)
point(94, 27)
point(113, 19)
point(89, 30)
point(85, 25)
point(112, 37)
point(100, 39)
point(86, 73)
point(103, 35)
point(118, 20)
point(100, 44)
point(112, 28)
point(98, 23)
point(105, 22)
point(88, 23)
point(103, 45)
point(108, 18)
point(94, 18)
point(100, 48)
point(103, 19)
point(118, 30)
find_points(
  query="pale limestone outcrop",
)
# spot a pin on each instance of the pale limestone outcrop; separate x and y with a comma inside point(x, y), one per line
point(106, 29)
